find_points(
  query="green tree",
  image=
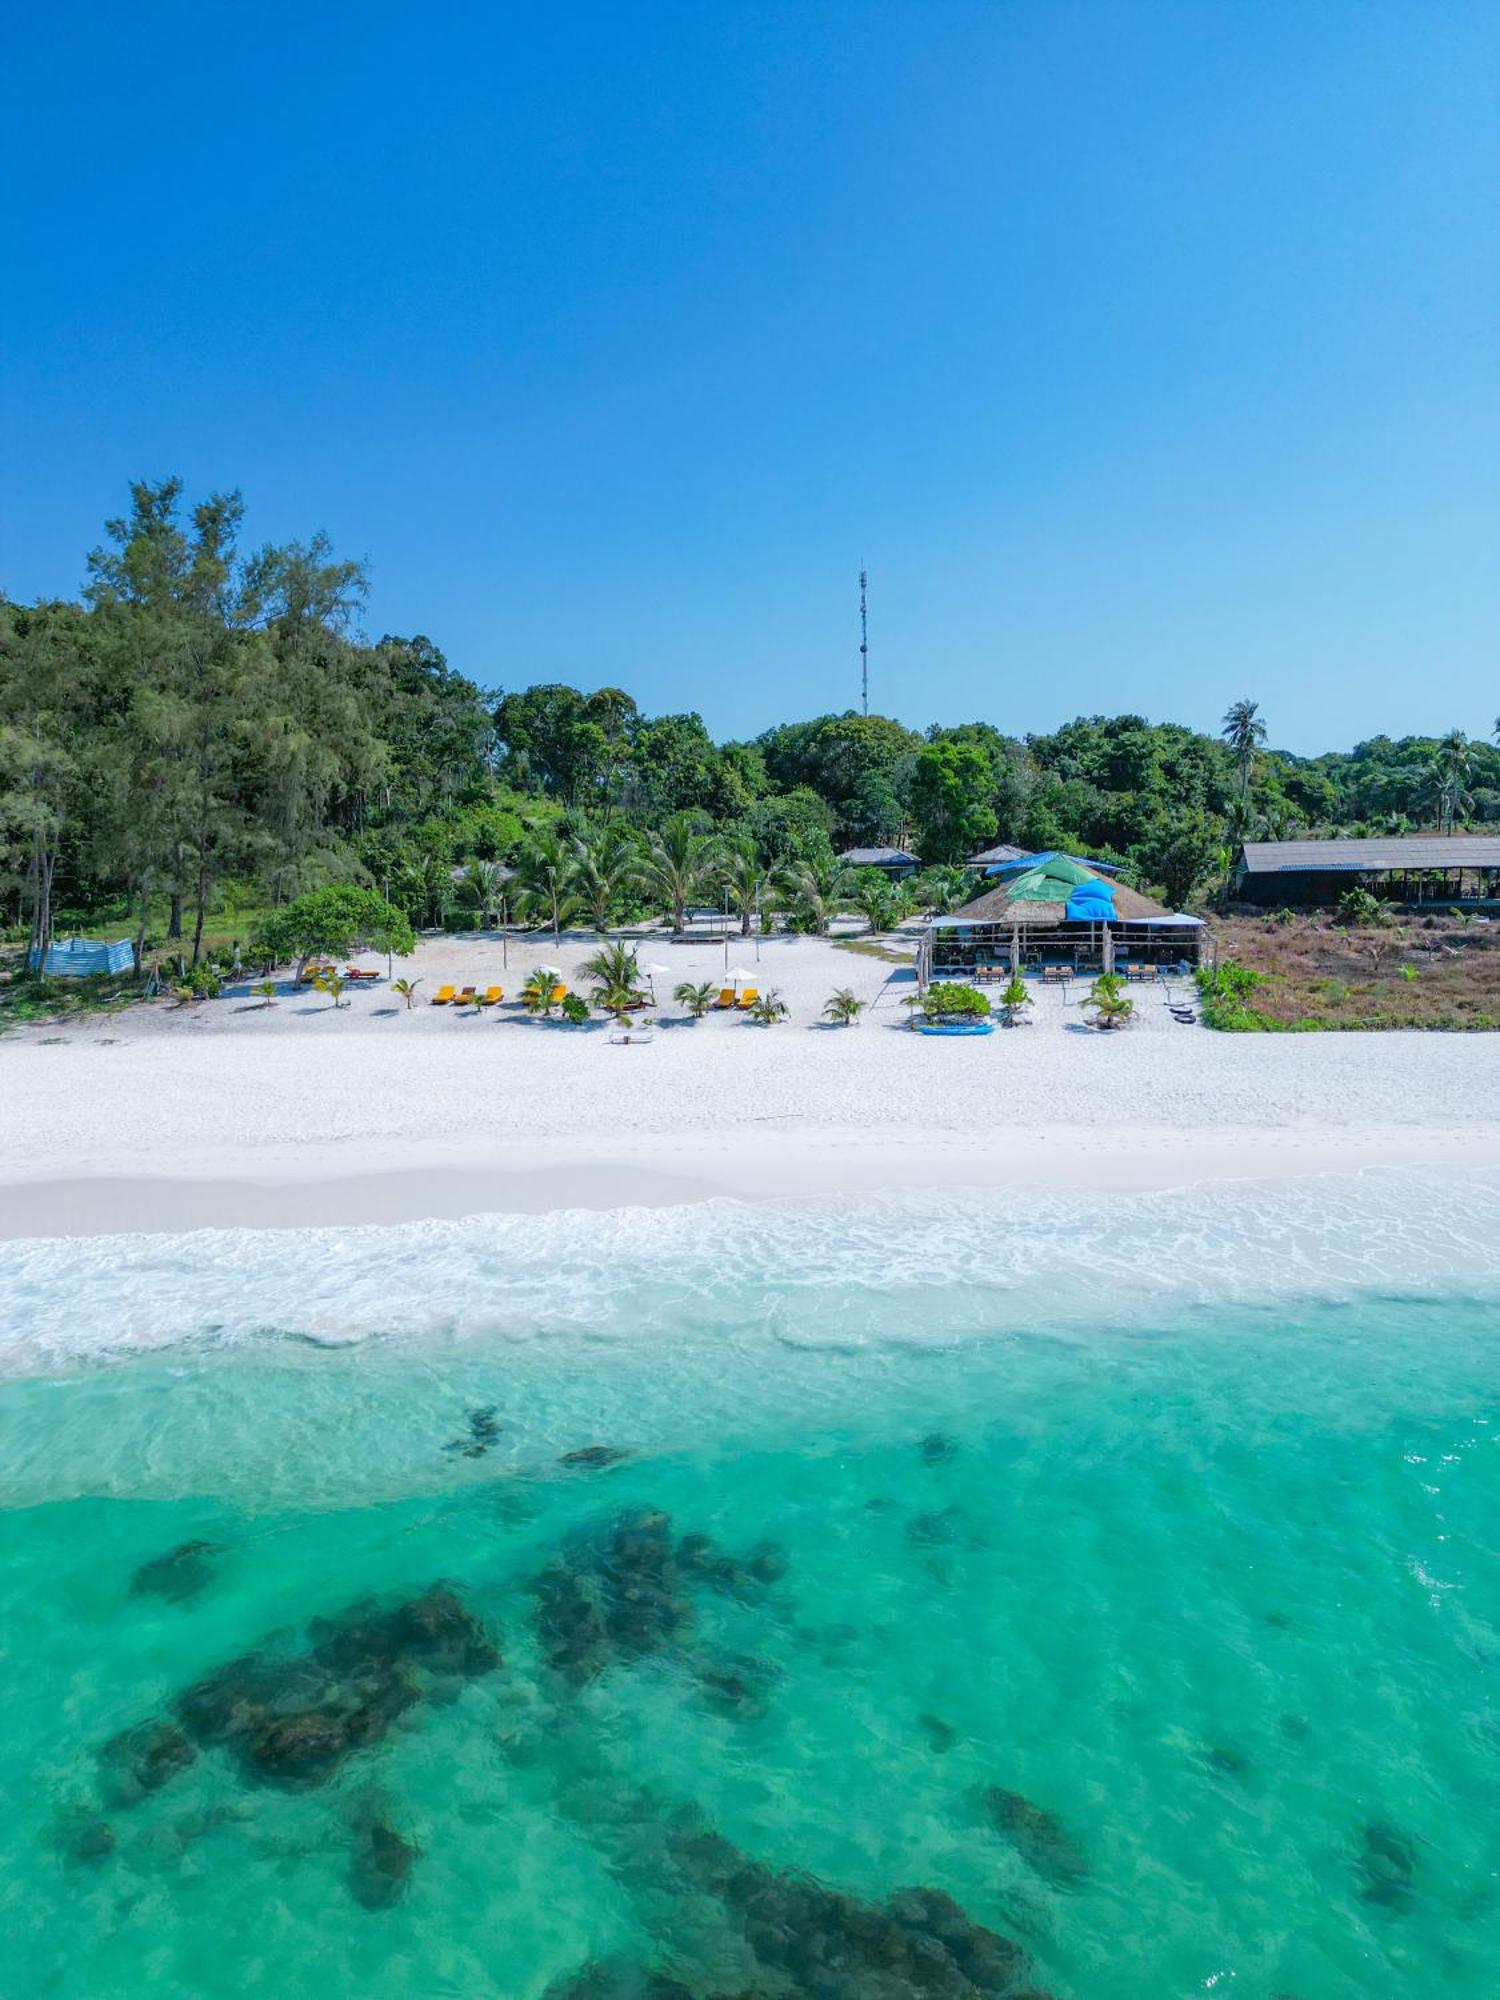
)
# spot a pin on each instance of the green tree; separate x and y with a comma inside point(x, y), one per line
point(607, 872)
point(332, 922)
point(950, 801)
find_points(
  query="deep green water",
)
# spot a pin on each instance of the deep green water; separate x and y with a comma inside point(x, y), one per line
point(1214, 1587)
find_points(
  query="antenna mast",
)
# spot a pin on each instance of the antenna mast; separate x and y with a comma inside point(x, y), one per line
point(864, 645)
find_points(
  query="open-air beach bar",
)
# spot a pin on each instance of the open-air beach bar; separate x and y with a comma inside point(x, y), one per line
point(1046, 912)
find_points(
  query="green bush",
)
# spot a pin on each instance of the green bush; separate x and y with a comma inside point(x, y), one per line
point(950, 999)
point(575, 1009)
point(337, 920)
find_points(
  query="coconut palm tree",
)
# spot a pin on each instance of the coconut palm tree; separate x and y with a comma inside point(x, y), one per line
point(267, 992)
point(679, 862)
point(749, 884)
point(483, 883)
point(333, 984)
point(1244, 732)
point(843, 1008)
point(1452, 765)
point(697, 999)
point(942, 889)
point(545, 873)
point(819, 889)
point(407, 988)
point(616, 977)
point(606, 869)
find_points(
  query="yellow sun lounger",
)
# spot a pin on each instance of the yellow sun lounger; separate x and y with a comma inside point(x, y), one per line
point(490, 995)
point(748, 998)
point(442, 997)
point(726, 997)
point(559, 992)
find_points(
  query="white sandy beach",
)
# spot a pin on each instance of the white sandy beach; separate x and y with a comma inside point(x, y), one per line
point(164, 1118)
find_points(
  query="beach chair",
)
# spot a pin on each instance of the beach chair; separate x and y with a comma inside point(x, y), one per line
point(1056, 975)
point(491, 996)
point(748, 998)
point(559, 993)
point(443, 997)
point(465, 997)
point(726, 997)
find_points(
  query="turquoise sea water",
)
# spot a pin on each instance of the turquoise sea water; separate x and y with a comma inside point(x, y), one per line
point(1123, 1571)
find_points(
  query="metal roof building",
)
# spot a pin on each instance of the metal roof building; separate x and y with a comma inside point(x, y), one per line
point(1403, 868)
point(892, 861)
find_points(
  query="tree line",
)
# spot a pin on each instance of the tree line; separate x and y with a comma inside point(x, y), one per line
point(206, 729)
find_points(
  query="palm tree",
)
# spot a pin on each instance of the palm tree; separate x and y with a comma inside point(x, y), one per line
point(430, 882)
point(1107, 1002)
point(843, 1008)
point(267, 991)
point(484, 883)
point(748, 883)
point(407, 988)
point(1244, 732)
point(942, 889)
point(769, 1009)
point(545, 870)
point(616, 977)
point(882, 904)
point(819, 889)
point(333, 984)
point(1452, 764)
point(536, 994)
point(697, 999)
point(1013, 999)
point(606, 868)
point(678, 864)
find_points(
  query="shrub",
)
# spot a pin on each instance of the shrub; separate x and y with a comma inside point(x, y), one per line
point(950, 999)
point(336, 921)
point(1358, 906)
point(575, 1009)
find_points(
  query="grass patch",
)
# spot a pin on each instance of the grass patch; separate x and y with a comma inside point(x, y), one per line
point(1306, 974)
point(862, 948)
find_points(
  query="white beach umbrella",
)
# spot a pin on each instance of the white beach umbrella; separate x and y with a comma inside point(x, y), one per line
point(740, 973)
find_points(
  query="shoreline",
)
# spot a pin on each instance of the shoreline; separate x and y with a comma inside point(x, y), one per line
point(312, 1186)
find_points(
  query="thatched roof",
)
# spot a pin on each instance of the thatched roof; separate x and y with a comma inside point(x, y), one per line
point(1001, 905)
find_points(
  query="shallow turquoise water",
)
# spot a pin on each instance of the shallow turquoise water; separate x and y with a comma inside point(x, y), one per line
point(1211, 1585)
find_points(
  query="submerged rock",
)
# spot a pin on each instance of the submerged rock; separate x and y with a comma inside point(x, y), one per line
point(1038, 1836)
point(936, 1447)
point(609, 1980)
point(738, 1688)
point(382, 1863)
point(941, 1735)
point(484, 1431)
point(595, 1457)
point(179, 1574)
point(622, 1592)
point(1225, 1759)
point(84, 1838)
point(143, 1759)
point(815, 1941)
point(1387, 1865)
point(293, 1721)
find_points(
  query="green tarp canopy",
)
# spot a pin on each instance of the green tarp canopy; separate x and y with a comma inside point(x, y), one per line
point(1049, 882)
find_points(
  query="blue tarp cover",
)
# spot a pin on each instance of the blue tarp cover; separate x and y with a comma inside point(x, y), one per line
point(1092, 903)
point(80, 958)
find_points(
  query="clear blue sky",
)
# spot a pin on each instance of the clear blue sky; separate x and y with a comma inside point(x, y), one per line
point(1148, 354)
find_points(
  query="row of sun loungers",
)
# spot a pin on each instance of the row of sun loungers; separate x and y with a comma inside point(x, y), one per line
point(470, 996)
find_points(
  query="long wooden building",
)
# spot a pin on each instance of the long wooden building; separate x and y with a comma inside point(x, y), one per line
point(1412, 869)
point(1044, 910)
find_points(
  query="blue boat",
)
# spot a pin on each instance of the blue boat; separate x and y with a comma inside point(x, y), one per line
point(956, 1028)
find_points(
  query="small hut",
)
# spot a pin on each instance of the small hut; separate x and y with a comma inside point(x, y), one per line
point(1054, 910)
